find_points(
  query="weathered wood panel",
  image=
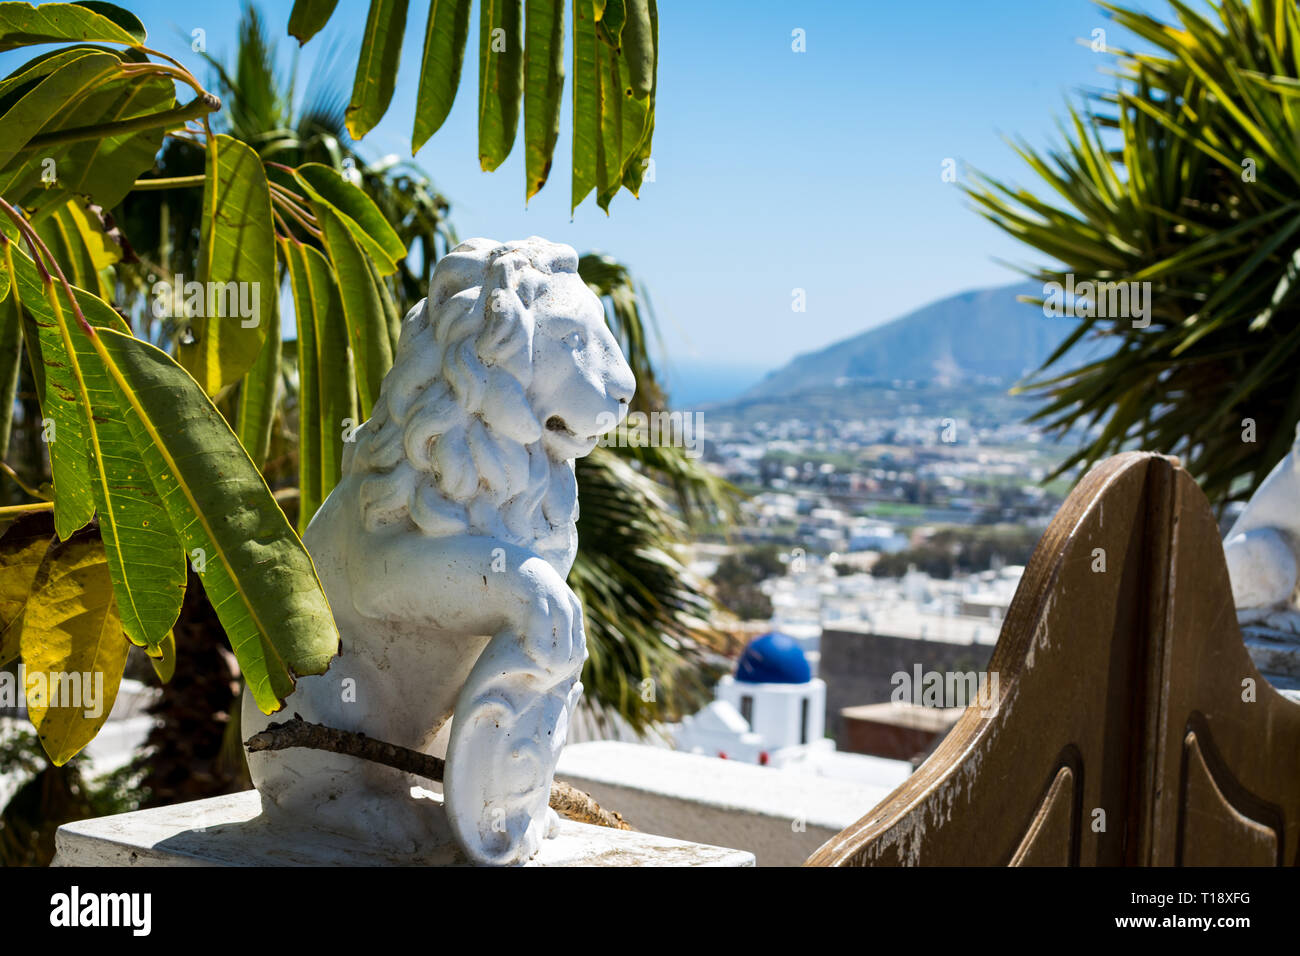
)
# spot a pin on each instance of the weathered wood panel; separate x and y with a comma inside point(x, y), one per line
point(1129, 727)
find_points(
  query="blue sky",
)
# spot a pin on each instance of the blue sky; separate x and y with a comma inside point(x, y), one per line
point(775, 170)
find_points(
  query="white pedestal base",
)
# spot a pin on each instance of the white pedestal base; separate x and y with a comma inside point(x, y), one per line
point(228, 831)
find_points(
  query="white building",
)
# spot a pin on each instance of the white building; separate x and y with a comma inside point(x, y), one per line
point(870, 535)
point(772, 712)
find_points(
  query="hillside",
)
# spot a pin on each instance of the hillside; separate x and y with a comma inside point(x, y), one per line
point(982, 337)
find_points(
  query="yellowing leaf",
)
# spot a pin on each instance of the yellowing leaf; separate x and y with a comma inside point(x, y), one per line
point(80, 245)
point(72, 645)
point(22, 548)
point(163, 657)
point(613, 123)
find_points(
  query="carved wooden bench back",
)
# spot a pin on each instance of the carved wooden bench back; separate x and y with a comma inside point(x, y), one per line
point(1130, 726)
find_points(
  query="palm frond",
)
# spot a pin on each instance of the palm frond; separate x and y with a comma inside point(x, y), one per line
point(649, 620)
point(1184, 176)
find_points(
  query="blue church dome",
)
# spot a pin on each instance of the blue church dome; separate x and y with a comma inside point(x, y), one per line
point(774, 658)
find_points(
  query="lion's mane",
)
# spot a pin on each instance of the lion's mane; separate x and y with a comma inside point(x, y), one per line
point(452, 444)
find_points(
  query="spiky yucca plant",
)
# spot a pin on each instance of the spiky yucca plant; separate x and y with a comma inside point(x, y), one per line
point(1186, 176)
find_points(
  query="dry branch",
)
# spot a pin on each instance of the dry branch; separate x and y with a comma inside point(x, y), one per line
point(565, 800)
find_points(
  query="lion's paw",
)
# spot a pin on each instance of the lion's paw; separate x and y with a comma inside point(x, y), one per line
point(530, 843)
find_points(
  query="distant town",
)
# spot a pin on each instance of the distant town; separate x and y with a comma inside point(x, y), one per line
point(949, 493)
point(884, 531)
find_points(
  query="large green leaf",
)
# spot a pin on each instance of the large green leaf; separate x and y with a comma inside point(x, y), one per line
point(326, 393)
point(11, 348)
point(615, 62)
point(586, 102)
point(42, 176)
point(500, 78)
point(357, 211)
point(640, 44)
point(543, 89)
point(72, 645)
point(362, 305)
point(609, 158)
point(144, 554)
point(258, 576)
point(638, 111)
point(309, 17)
point(381, 47)
point(106, 168)
point(611, 15)
point(51, 97)
point(61, 401)
point(257, 392)
point(613, 121)
point(25, 77)
point(626, 115)
point(236, 267)
point(22, 24)
point(444, 54)
point(392, 317)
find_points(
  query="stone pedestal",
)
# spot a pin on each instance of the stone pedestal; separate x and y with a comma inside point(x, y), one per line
point(229, 831)
point(1277, 655)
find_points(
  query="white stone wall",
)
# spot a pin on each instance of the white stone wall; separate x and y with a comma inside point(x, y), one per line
point(781, 816)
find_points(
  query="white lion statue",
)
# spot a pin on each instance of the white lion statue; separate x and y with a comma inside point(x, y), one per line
point(1263, 549)
point(444, 551)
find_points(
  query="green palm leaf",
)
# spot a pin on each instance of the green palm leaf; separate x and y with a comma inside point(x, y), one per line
point(1199, 200)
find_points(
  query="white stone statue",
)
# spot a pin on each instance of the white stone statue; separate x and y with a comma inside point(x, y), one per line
point(444, 552)
point(1263, 550)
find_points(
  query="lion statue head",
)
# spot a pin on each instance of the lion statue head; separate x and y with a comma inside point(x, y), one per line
point(503, 376)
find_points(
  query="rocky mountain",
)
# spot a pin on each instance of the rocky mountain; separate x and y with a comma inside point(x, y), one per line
point(982, 337)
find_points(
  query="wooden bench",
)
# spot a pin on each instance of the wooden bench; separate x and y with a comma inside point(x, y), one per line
point(1130, 726)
